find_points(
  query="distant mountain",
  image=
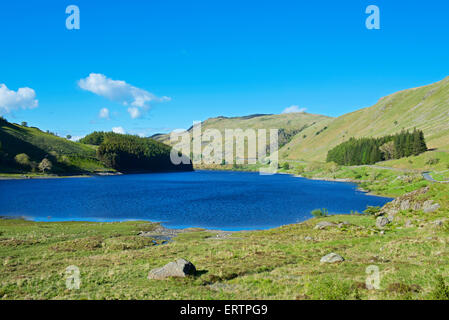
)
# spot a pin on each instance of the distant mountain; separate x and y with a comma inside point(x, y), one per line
point(289, 124)
point(309, 137)
point(302, 136)
point(425, 108)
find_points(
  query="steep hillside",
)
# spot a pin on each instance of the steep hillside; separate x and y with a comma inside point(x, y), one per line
point(289, 125)
point(128, 153)
point(426, 108)
point(66, 156)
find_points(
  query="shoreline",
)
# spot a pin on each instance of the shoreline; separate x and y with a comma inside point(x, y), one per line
point(19, 176)
point(165, 233)
point(25, 177)
point(173, 232)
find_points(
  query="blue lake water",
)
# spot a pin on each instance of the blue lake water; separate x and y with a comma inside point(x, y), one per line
point(208, 199)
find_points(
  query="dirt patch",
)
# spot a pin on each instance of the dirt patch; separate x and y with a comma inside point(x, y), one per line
point(402, 288)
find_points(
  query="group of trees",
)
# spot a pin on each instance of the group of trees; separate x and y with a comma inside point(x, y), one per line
point(95, 138)
point(128, 153)
point(125, 153)
point(371, 150)
point(24, 161)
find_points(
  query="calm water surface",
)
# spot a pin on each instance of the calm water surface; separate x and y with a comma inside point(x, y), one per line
point(222, 200)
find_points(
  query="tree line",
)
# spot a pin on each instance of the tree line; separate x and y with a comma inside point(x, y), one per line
point(125, 153)
point(128, 153)
point(371, 150)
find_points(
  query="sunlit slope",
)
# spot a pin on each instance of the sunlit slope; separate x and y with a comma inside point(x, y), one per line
point(289, 124)
point(426, 108)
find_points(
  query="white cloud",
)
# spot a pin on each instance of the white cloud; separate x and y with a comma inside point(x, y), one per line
point(121, 92)
point(294, 109)
point(118, 130)
point(23, 98)
point(134, 112)
point(76, 138)
point(104, 113)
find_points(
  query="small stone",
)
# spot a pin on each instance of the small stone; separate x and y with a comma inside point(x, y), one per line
point(332, 258)
point(438, 223)
point(324, 224)
point(307, 238)
point(344, 223)
point(180, 268)
point(381, 222)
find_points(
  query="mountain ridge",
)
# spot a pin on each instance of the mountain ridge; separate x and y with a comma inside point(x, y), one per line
point(425, 108)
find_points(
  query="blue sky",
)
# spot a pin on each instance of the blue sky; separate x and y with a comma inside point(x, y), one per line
point(214, 58)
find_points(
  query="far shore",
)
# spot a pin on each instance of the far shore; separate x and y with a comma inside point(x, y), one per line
point(28, 177)
point(19, 176)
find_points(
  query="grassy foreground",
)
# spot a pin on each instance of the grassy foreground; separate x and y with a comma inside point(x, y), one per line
point(282, 263)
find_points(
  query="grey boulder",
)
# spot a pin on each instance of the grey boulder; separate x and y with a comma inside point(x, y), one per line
point(332, 258)
point(179, 269)
point(382, 222)
point(324, 224)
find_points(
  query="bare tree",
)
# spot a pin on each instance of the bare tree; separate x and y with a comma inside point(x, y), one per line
point(389, 150)
point(45, 165)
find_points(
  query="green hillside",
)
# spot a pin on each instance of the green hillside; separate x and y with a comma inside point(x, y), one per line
point(129, 153)
point(425, 108)
point(67, 157)
point(289, 125)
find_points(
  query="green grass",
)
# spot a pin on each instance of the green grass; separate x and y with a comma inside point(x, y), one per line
point(434, 161)
point(272, 264)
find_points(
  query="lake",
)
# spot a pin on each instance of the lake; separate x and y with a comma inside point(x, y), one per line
point(208, 199)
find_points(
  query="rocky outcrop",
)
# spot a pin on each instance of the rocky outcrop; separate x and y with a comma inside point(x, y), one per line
point(178, 269)
point(409, 201)
point(430, 206)
point(324, 224)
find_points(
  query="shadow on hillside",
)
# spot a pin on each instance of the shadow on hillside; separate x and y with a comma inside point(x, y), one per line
point(12, 146)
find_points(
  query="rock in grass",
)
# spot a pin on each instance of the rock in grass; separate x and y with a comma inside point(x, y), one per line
point(429, 206)
point(332, 258)
point(382, 222)
point(324, 224)
point(438, 223)
point(179, 269)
